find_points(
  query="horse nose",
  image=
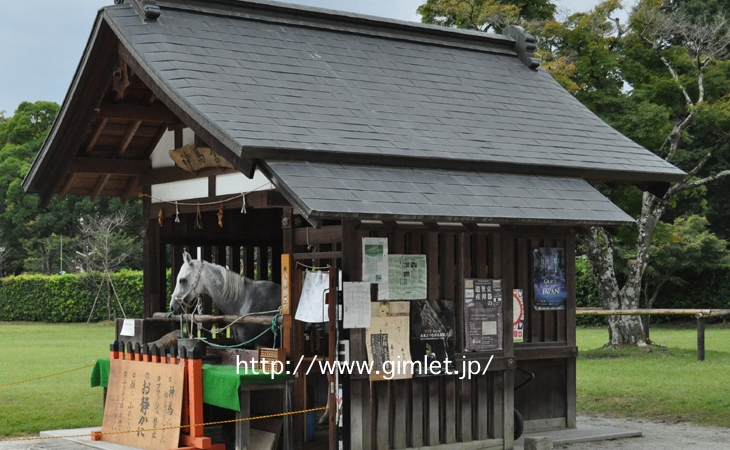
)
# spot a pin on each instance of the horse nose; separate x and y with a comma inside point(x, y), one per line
point(176, 307)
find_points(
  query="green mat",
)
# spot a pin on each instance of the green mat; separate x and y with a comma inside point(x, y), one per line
point(220, 383)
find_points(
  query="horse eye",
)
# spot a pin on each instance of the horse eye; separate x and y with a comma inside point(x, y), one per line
point(183, 281)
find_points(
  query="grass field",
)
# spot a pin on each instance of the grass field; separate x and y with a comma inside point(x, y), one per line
point(29, 350)
point(665, 384)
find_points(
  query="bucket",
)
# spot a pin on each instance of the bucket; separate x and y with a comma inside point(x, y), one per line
point(311, 425)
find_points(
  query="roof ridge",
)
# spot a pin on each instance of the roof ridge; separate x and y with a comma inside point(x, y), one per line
point(342, 21)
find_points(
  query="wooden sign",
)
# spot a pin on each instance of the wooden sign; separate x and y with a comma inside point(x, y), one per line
point(285, 283)
point(142, 396)
point(194, 159)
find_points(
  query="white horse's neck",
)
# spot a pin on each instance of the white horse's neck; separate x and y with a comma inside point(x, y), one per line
point(226, 288)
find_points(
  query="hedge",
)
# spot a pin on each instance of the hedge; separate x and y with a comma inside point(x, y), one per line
point(67, 298)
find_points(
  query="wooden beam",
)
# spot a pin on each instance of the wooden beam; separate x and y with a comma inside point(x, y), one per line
point(325, 235)
point(66, 187)
point(316, 255)
point(110, 166)
point(156, 113)
point(226, 150)
point(170, 174)
point(255, 200)
point(155, 141)
point(128, 189)
point(99, 186)
point(97, 135)
point(128, 136)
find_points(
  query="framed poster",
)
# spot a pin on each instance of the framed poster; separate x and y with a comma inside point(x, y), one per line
point(548, 278)
point(482, 315)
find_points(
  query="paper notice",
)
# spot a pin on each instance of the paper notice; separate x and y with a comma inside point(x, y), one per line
point(312, 306)
point(127, 328)
point(375, 260)
point(356, 301)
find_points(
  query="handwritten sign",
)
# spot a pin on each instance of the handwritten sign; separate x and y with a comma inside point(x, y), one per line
point(143, 396)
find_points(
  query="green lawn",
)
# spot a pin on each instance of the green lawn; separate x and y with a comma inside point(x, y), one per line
point(667, 384)
point(664, 384)
point(29, 350)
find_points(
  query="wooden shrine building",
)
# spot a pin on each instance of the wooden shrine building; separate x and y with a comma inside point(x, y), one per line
point(451, 144)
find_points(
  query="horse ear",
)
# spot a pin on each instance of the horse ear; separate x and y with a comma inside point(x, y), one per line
point(187, 258)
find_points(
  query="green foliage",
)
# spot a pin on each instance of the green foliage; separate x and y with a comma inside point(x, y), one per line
point(30, 234)
point(30, 122)
point(586, 293)
point(66, 298)
point(484, 15)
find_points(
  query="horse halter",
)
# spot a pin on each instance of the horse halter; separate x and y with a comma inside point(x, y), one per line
point(196, 302)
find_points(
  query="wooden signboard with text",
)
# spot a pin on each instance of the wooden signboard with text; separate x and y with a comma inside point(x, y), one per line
point(142, 396)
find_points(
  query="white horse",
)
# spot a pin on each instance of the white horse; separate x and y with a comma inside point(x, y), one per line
point(233, 293)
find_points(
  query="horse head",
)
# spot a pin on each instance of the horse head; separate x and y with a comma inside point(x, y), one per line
point(188, 287)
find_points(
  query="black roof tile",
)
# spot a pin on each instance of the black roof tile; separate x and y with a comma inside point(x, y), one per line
point(425, 90)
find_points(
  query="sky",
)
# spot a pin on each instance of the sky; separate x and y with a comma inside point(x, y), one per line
point(42, 41)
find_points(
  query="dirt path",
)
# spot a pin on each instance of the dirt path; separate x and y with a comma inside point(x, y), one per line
point(657, 435)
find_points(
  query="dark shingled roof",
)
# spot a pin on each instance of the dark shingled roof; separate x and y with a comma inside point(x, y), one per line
point(282, 82)
point(321, 190)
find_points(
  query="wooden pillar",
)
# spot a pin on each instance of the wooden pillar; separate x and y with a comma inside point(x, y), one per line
point(507, 383)
point(154, 261)
point(571, 393)
point(700, 338)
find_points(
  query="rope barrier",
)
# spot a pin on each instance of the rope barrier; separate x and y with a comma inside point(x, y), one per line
point(46, 376)
point(142, 430)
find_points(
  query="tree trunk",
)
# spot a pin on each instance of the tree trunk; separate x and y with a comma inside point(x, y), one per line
point(622, 330)
point(625, 330)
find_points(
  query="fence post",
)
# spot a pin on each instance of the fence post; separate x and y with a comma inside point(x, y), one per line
point(700, 338)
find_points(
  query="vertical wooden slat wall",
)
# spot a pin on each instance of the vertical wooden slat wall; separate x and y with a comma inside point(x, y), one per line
point(548, 350)
point(434, 410)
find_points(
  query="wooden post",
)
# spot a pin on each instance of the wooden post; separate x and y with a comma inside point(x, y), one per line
point(700, 338)
point(645, 323)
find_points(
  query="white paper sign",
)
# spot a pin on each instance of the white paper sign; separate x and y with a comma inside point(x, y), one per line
point(356, 300)
point(312, 307)
point(127, 328)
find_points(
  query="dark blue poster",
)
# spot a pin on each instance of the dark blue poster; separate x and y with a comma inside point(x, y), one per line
point(548, 279)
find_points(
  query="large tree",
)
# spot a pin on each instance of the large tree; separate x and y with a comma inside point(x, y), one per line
point(662, 80)
point(484, 15)
point(675, 83)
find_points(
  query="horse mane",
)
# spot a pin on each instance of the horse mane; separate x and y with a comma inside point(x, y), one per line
point(234, 285)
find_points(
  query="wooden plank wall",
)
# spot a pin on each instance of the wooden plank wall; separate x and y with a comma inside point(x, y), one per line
point(548, 349)
point(433, 410)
